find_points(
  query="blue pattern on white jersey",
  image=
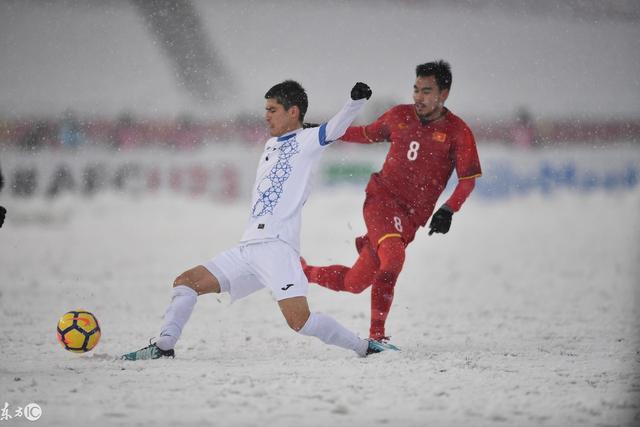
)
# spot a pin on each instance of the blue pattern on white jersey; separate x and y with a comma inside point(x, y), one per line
point(270, 188)
point(283, 178)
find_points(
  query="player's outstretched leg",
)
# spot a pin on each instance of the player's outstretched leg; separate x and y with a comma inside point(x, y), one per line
point(187, 287)
point(330, 277)
point(391, 253)
point(341, 278)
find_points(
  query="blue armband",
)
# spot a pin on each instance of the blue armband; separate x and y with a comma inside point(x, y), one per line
point(322, 135)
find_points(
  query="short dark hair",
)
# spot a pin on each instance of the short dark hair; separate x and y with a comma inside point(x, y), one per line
point(440, 69)
point(289, 93)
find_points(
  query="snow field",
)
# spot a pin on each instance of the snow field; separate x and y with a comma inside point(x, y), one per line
point(526, 313)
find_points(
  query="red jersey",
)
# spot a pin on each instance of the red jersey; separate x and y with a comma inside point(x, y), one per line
point(421, 158)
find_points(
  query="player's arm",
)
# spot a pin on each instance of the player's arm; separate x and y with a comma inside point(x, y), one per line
point(460, 194)
point(338, 124)
point(468, 169)
point(377, 131)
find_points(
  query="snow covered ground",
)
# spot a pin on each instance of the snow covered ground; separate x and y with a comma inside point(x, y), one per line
point(525, 314)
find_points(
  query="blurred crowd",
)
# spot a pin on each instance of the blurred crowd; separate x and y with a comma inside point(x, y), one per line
point(524, 131)
point(127, 132)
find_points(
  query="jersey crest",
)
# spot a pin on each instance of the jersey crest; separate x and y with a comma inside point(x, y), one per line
point(439, 136)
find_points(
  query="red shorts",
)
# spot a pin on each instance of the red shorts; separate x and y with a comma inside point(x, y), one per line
point(386, 218)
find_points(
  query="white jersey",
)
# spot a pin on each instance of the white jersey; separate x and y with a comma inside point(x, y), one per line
point(282, 181)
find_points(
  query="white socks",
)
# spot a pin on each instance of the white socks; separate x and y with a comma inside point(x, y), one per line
point(176, 316)
point(318, 325)
point(330, 331)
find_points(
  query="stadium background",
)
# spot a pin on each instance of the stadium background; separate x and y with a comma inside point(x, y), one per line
point(164, 95)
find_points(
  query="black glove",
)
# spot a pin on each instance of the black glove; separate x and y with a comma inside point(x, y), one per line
point(3, 212)
point(360, 90)
point(441, 220)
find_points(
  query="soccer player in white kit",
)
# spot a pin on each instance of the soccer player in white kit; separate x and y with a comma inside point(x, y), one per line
point(268, 253)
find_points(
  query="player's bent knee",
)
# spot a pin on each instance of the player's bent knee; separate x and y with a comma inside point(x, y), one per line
point(296, 320)
point(295, 311)
point(181, 280)
point(296, 324)
point(392, 254)
point(358, 288)
point(199, 279)
point(184, 279)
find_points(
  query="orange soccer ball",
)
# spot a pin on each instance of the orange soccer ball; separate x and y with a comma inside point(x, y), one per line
point(78, 331)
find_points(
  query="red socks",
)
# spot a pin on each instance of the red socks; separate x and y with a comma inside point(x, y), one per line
point(391, 254)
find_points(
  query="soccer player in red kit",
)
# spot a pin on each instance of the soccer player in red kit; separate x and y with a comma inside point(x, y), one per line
point(427, 143)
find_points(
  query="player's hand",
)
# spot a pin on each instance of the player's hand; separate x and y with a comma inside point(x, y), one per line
point(360, 90)
point(3, 212)
point(441, 220)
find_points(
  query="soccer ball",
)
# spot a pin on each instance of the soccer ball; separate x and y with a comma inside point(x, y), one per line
point(78, 331)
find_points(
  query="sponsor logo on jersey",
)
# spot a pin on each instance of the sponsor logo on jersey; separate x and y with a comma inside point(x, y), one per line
point(439, 136)
point(287, 286)
point(260, 226)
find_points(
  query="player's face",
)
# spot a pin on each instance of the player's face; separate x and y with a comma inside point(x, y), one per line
point(279, 120)
point(428, 98)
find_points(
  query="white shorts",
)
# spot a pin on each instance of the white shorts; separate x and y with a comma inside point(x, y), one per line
point(249, 267)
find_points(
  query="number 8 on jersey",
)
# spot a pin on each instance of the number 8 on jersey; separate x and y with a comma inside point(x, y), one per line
point(412, 154)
